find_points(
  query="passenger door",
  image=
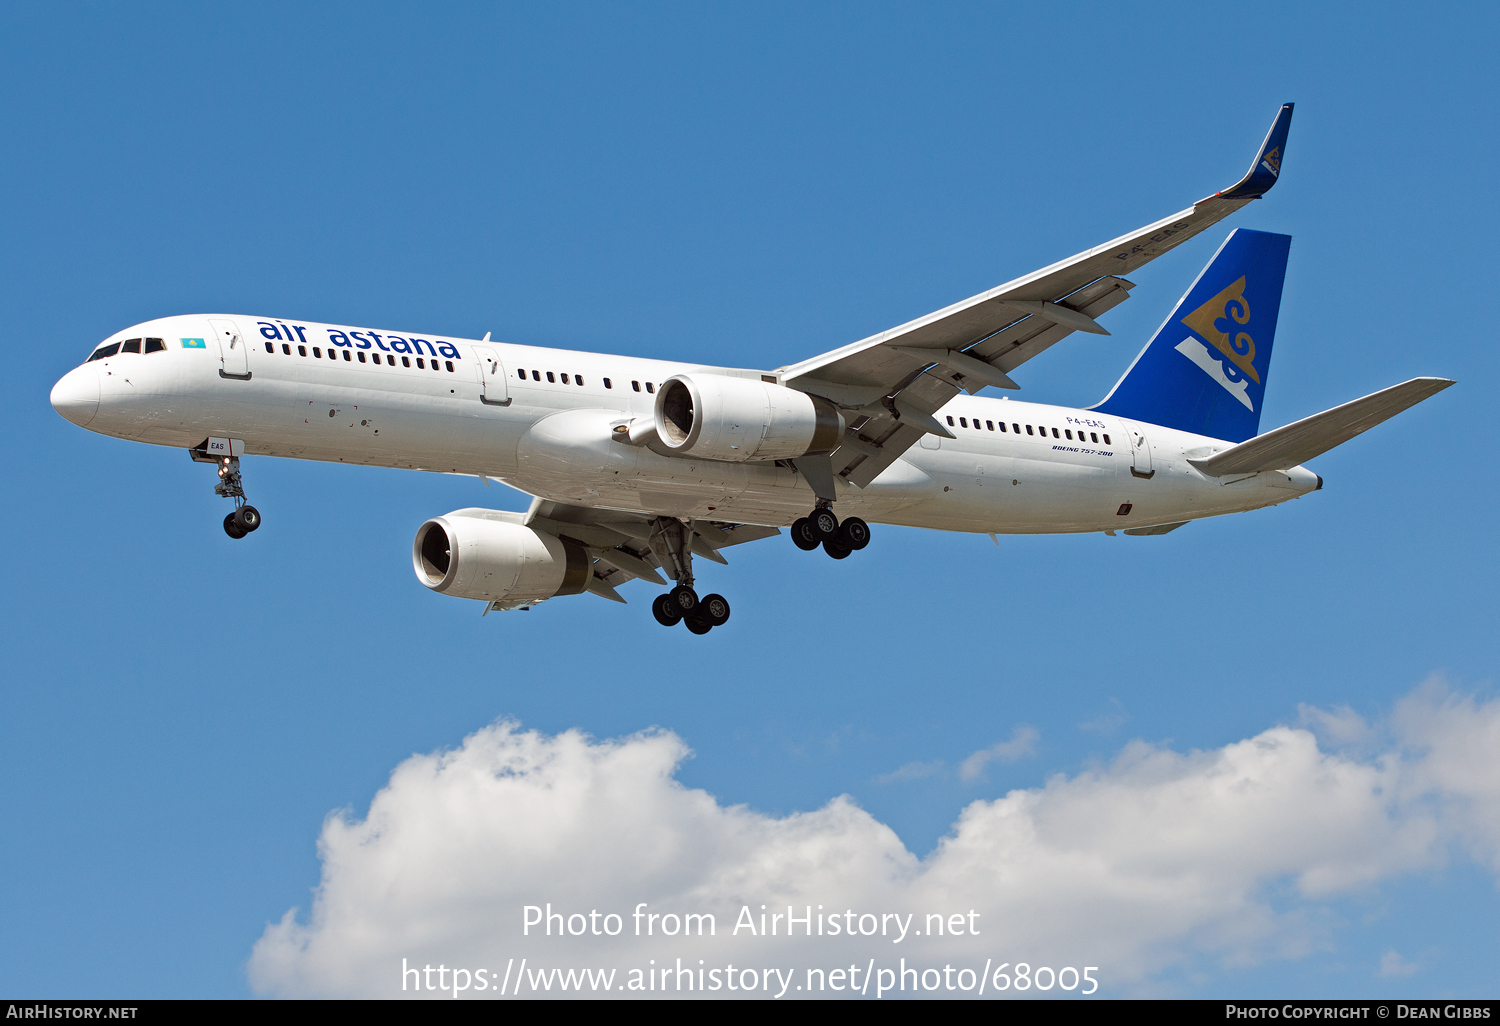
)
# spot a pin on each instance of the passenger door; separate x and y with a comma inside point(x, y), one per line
point(233, 349)
point(493, 389)
point(1140, 450)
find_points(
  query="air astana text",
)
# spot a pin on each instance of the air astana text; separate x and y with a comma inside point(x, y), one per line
point(360, 338)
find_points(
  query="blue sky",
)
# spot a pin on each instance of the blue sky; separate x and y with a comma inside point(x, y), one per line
point(747, 186)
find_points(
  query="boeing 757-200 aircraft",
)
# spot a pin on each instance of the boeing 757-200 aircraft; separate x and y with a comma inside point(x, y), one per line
point(636, 466)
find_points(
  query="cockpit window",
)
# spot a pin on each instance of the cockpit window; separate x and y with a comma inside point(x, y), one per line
point(155, 345)
point(104, 351)
point(130, 345)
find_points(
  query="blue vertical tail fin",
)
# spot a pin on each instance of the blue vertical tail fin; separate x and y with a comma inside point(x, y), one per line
point(1205, 369)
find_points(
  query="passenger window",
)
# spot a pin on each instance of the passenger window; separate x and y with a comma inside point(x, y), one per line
point(650, 387)
point(950, 422)
point(1094, 435)
point(551, 378)
point(421, 365)
point(521, 373)
point(271, 348)
point(155, 345)
point(1016, 428)
point(636, 385)
point(1107, 441)
point(990, 424)
point(1054, 432)
point(976, 425)
point(535, 375)
point(564, 379)
point(1002, 426)
point(317, 352)
point(1069, 433)
point(448, 364)
point(577, 379)
point(607, 384)
point(962, 422)
point(131, 345)
point(406, 362)
point(104, 351)
point(347, 357)
point(301, 350)
point(1028, 429)
point(286, 350)
point(361, 357)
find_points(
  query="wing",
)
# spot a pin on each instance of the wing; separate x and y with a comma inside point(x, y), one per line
point(621, 544)
point(897, 379)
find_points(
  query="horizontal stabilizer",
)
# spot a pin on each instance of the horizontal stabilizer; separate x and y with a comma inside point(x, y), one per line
point(1312, 436)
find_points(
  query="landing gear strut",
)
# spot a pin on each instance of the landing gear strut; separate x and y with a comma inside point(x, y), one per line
point(245, 518)
point(672, 543)
point(821, 527)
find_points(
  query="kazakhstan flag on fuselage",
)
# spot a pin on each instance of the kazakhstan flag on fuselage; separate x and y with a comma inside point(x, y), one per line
point(193, 343)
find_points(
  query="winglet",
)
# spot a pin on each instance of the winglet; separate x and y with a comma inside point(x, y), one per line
point(1267, 166)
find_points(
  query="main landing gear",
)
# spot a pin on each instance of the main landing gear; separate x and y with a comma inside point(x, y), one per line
point(682, 605)
point(821, 527)
point(672, 543)
point(245, 518)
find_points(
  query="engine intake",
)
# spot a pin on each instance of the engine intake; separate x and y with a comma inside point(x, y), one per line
point(485, 554)
point(738, 419)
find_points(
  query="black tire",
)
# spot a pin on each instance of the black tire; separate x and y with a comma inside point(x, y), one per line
point(684, 600)
point(662, 609)
point(249, 518)
point(714, 610)
point(802, 535)
point(233, 529)
point(836, 550)
point(823, 524)
point(854, 533)
point(697, 626)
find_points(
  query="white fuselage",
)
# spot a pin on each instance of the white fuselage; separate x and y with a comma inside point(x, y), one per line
point(542, 422)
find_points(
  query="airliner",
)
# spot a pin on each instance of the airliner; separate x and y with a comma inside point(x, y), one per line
point(636, 466)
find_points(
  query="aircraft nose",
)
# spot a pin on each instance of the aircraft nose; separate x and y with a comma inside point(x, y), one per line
point(76, 395)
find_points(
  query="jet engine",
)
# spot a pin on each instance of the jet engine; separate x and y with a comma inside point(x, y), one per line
point(490, 555)
point(739, 419)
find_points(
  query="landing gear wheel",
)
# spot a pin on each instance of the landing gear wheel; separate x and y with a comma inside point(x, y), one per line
point(684, 600)
point(802, 535)
point(823, 524)
point(714, 610)
point(248, 517)
point(836, 550)
point(854, 533)
point(664, 611)
point(697, 626)
point(232, 528)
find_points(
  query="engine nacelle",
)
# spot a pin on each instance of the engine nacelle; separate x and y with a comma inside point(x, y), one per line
point(739, 419)
point(486, 554)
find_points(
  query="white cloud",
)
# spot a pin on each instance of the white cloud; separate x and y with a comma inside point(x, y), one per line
point(1137, 867)
point(911, 771)
point(1109, 721)
point(1340, 725)
point(1021, 744)
point(1392, 964)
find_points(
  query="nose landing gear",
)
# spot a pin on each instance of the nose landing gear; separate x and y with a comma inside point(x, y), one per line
point(245, 518)
point(821, 527)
